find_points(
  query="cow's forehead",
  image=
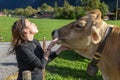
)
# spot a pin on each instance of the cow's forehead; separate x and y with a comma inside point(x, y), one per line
point(83, 20)
point(85, 17)
point(89, 16)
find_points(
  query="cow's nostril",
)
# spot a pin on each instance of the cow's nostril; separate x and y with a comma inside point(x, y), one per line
point(55, 34)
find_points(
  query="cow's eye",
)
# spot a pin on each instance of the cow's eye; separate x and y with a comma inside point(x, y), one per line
point(78, 27)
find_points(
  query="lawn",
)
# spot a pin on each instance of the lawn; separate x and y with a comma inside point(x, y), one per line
point(68, 65)
point(45, 26)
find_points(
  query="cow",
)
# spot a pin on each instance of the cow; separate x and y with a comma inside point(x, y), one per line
point(86, 34)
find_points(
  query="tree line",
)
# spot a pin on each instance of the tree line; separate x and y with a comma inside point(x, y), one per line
point(67, 11)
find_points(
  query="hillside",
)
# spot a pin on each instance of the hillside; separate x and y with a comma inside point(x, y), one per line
point(12, 4)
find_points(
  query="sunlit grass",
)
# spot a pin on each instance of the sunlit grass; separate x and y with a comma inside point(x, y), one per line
point(114, 22)
point(45, 26)
point(69, 66)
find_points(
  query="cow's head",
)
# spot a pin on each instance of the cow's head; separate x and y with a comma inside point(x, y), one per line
point(84, 34)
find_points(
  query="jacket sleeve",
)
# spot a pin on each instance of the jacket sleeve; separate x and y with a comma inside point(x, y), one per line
point(29, 57)
point(52, 56)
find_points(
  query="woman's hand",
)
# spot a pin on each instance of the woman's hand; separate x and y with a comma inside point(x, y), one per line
point(53, 42)
point(47, 52)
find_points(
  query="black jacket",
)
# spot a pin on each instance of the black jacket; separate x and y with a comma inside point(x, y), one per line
point(30, 57)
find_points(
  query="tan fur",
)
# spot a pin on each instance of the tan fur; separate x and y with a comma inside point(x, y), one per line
point(84, 36)
point(110, 60)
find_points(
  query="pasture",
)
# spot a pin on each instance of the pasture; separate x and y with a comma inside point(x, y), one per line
point(45, 27)
point(68, 65)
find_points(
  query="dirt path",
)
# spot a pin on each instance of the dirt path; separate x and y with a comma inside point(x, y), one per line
point(8, 63)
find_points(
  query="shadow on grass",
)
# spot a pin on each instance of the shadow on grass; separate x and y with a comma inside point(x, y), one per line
point(64, 72)
point(9, 64)
point(71, 56)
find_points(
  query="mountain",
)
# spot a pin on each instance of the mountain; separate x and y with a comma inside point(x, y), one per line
point(111, 3)
point(12, 4)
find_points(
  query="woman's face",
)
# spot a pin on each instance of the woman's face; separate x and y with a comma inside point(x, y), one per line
point(31, 26)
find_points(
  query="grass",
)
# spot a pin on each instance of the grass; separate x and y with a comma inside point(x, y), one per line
point(114, 22)
point(5, 27)
point(45, 26)
point(68, 65)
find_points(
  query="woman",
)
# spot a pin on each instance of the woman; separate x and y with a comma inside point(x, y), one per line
point(29, 53)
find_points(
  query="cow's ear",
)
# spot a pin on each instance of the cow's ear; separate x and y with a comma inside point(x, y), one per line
point(96, 14)
point(96, 38)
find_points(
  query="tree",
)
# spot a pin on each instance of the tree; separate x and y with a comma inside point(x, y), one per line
point(79, 11)
point(8, 11)
point(68, 11)
point(85, 3)
point(57, 10)
point(104, 8)
point(56, 7)
point(19, 11)
point(59, 13)
point(29, 11)
point(46, 7)
point(95, 4)
point(5, 11)
point(66, 4)
point(116, 15)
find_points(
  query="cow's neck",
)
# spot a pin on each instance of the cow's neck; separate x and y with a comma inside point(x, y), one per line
point(94, 47)
point(109, 62)
point(101, 46)
point(92, 66)
point(89, 53)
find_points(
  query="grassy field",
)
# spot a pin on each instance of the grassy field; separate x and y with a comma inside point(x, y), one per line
point(68, 65)
point(45, 26)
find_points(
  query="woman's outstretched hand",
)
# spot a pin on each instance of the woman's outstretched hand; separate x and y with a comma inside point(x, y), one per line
point(53, 42)
point(48, 50)
point(58, 51)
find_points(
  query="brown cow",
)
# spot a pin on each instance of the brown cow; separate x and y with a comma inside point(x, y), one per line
point(85, 35)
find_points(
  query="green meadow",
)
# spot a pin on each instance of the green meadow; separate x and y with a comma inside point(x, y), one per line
point(45, 26)
point(68, 65)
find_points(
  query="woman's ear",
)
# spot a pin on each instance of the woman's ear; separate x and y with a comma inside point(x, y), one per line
point(96, 38)
point(26, 31)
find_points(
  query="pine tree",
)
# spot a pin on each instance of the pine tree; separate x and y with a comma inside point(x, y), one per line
point(55, 7)
point(93, 4)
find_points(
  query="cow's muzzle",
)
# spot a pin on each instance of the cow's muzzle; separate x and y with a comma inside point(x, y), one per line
point(55, 34)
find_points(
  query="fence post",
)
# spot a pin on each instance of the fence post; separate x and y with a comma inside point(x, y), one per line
point(44, 44)
point(1, 38)
point(44, 49)
point(26, 75)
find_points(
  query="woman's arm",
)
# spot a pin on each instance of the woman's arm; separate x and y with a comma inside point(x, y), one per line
point(48, 51)
point(51, 56)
